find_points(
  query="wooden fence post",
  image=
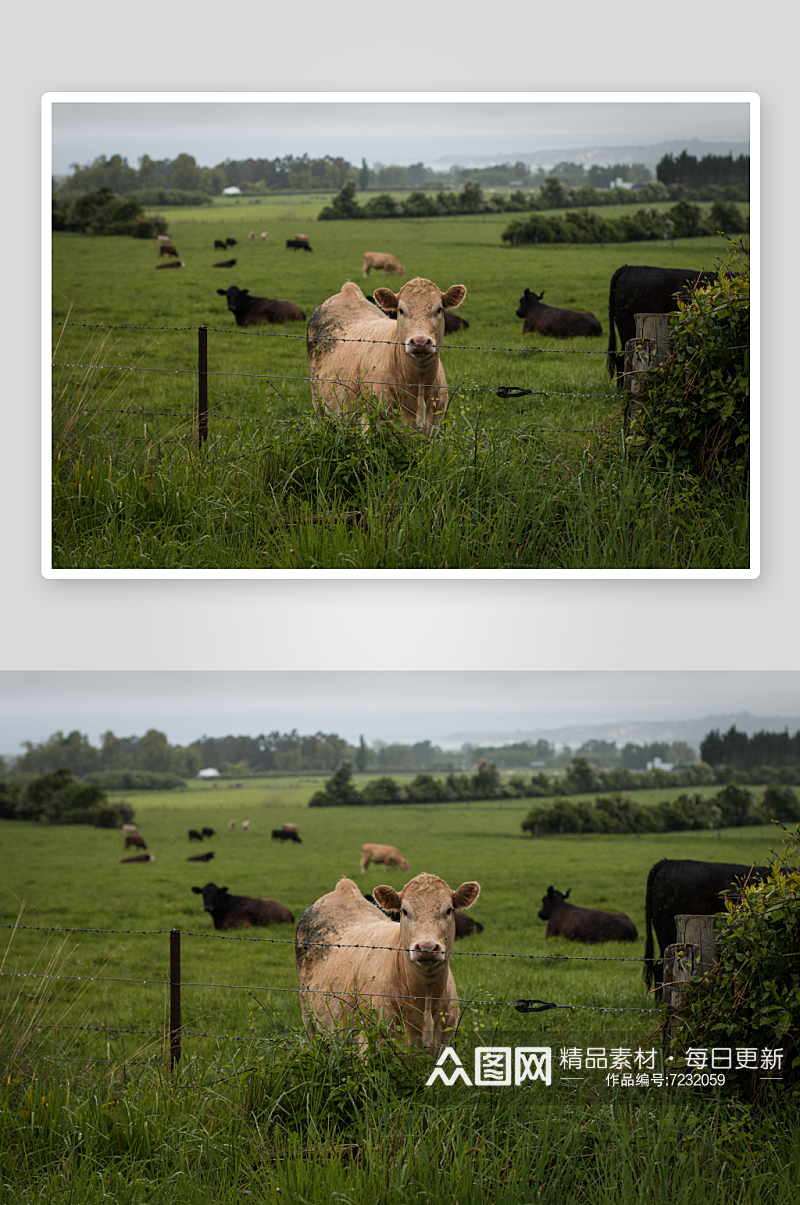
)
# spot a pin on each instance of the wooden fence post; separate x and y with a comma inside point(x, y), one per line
point(202, 385)
point(651, 346)
point(174, 997)
point(693, 954)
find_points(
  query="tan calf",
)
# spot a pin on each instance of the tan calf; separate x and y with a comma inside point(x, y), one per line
point(381, 263)
point(400, 971)
point(355, 353)
point(386, 854)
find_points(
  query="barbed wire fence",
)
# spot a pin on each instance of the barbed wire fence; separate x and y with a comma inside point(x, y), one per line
point(202, 413)
point(175, 1031)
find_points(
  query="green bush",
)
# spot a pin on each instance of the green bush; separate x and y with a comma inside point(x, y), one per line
point(103, 212)
point(751, 998)
point(58, 798)
point(694, 409)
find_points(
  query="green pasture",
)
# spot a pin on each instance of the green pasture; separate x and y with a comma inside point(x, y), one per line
point(263, 1113)
point(533, 481)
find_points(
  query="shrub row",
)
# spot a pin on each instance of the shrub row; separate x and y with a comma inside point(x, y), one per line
point(103, 212)
point(732, 807)
point(59, 798)
point(340, 791)
point(135, 780)
point(683, 220)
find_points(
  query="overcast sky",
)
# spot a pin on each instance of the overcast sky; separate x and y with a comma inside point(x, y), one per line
point(405, 706)
point(407, 132)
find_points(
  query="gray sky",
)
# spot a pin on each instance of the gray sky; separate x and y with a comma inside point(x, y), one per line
point(406, 706)
point(380, 132)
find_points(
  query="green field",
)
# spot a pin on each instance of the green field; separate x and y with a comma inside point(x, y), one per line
point(532, 482)
point(260, 1111)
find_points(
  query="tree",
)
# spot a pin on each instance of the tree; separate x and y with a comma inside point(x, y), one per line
point(183, 172)
point(486, 780)
point(153, 752)
point(362, 753)
point(553, 195)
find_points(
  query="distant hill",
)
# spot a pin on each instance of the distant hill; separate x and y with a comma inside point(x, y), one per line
point(605, 156)
point(637, 732)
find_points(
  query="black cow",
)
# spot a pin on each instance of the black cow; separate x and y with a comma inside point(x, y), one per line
point(259, 311)
point(239, 911)
point(683, 886)
point(209, 832)
point(195, 835)
point(550, 320)
point(202, 857)
point(465, 925)
point(297, 243)
point(231, 242)
point(225, 263)
point(583, 924)
point(220, 244)
point(642, 290)
point(452, 322)
point(282, 834)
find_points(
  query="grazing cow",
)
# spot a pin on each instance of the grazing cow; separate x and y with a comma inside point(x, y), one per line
point(245, 826)
point(209, 832)
point(679, 886)
point(134, 841)
point(282, 834)
point(231, 242)
point(381, 263)
point(263, 236)
point(398, 361)
point(220, 244)
point(202, 857)
point(140, 858)
point(550, 320)
point(195, 835)
point(299, 244)
point(465, 925)
point(387, 854)
point(260, 311)
point(401, 971)
point(173, 263)
point(289, 828)
point(231, 826)
point(251, 236)
point(642, 290)
point(239, 911)
point(452, 322)
point(583, 924)
point(168, 248)
point(225, 263)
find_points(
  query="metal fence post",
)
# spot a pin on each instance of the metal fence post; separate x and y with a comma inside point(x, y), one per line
point(202, 385)
point(174, 997)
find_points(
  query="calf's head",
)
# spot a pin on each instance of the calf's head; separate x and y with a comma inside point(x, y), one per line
point(527, 301)
point(427, 916)
point(551, 901)
point(211, 895)
point(420, 307)
point(232, 293)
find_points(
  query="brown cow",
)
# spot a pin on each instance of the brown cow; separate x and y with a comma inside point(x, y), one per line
point(583, 924)
point(400, 971)
point(167, 247)
point(387, 854)
point(133, 840)
point(289, 828)
point(381, 262)
point(354, 352)
point(173, 263)
point(140, 858)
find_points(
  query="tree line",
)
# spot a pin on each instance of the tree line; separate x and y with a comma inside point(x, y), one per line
point(712, 171)
point(742, 752)
point(683, 220)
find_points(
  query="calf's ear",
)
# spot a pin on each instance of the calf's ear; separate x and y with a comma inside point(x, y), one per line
point(222, 292)
point(386, 299)
point(466, 895)
point(386, 897)
point(453, 297)
point(197, 890)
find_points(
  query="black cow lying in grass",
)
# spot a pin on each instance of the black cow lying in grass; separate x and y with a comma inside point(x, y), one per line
point(550, 320)
point(202, 857)
point(282, 834)
point(465, 925)
point(638, 289)
point(239, 911)
point(225, 263)
point(583, 924)
point(259, 311)
point(297, 243)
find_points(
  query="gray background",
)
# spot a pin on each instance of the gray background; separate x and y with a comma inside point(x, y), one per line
point(441, 46)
